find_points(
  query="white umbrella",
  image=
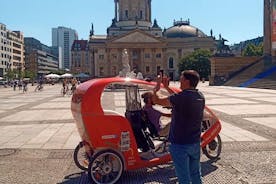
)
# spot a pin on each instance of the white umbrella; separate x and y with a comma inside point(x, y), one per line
point(1, 78)
point(66, 75)
point(52, 76)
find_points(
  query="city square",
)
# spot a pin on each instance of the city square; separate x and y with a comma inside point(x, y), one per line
point(38, 136)
point(45, 124)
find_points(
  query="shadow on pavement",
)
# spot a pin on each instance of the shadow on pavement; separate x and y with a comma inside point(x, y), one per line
point(74, 178)
point(164, 173)
point(207, 167)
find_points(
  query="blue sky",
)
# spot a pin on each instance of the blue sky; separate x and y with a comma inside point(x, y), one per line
point(235, 20)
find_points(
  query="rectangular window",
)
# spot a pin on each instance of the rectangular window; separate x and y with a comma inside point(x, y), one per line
point(147, 69)
point(158, 70)
point(101, 56)
point(134, 54)
point(114, 70)
point(158, 55)
point(114, 56)
point(147, 55)
point(101, 72)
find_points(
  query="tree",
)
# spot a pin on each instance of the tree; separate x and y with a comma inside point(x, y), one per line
point(10, 74)
point(253, 50)
point(30, 74)
point(199, 61)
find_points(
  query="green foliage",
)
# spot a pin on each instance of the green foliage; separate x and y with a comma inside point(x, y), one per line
point(30, 74)
point(199, 61)
point(11, 74)
point(59, 72)
point(253, 50)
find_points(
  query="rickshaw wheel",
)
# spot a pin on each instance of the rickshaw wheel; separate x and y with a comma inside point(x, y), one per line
point(105, 167)
point(81, 158)
point(213, 149)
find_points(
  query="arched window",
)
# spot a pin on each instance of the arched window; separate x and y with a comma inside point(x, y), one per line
point(171, 62)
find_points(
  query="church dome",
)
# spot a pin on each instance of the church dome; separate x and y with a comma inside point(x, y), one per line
point(183, 29)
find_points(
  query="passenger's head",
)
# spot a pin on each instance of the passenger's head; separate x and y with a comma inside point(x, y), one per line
point(189, 79)
point(147, 97)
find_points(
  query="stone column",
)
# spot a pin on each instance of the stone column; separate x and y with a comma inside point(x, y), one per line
point(116, 9)
point(267, 28)
point(149, 16)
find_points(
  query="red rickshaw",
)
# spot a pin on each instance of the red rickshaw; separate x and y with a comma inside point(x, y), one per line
point(110, 141)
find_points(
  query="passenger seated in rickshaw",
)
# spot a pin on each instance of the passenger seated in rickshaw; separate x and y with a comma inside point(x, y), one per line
point(154, 116)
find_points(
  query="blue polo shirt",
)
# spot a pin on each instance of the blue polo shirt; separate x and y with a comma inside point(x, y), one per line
point(187, 114)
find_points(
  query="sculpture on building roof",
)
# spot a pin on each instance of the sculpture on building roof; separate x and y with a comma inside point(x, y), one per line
point(222, 48)
point(92, 30)
point(155, 24)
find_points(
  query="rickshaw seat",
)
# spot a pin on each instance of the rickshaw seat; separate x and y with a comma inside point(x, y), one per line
point(148, 124)
point(137, 124)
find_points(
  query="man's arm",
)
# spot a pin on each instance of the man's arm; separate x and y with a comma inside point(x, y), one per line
point(165, 102)
point(166, 82)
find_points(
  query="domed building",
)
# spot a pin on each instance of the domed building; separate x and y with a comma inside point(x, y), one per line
point(149, 48)
point(183, 29)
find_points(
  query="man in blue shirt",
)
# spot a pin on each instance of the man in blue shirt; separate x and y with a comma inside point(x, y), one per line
point(187, 113)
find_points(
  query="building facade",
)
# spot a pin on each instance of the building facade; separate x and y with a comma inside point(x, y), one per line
point(17, 45)
point(11, 50)
point(5, 51)
point(237, 49)
point(64, 37)
point(39, 58)
point(81, 62)
point(149, 48)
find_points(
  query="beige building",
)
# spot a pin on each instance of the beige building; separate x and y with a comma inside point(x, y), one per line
point(5, 50)
point(81, 62)
point(17, 45)
point(149, 47)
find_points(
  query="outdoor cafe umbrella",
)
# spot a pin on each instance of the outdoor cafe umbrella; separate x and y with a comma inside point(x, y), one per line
point(52, 76)
point(66, 75)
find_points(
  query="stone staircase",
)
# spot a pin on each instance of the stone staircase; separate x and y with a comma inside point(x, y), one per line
point(261, 74)
point(268, 82)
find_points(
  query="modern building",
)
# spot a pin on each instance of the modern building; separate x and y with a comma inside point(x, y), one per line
point(5, 51)
point(39, 57)
point(64, 37)
point(17, 45)
point(81, 62)
point(148, 46)
point(11, 50)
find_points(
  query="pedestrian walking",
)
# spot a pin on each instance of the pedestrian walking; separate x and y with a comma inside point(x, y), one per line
point(20, 85)
point(25, 88)
point(14, 84)
point(187, 114)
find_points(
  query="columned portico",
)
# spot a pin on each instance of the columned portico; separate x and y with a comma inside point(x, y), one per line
point(149, 48)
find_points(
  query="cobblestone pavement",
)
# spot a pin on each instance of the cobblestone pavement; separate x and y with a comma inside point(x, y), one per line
point(38, 135)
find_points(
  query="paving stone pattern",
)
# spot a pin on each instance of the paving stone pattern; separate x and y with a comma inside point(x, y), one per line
point(38, 135)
